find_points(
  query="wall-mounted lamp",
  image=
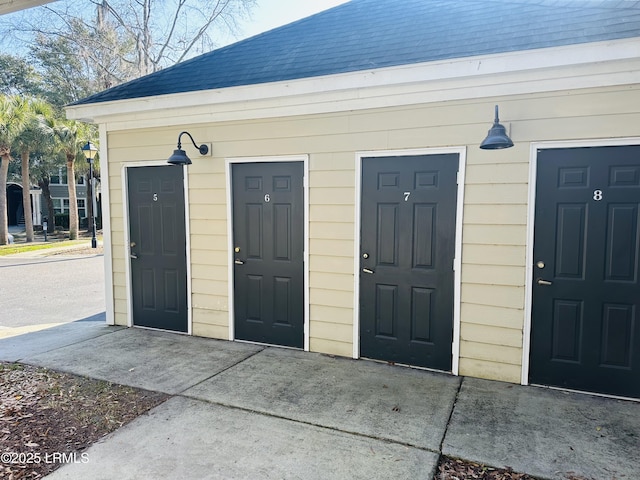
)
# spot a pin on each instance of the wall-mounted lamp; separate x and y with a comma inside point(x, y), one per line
point(179, 156)
point(497, 137)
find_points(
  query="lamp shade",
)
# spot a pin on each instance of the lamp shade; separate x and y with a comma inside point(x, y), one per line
point(497, 137)
point(179, 157)
point(89, 151)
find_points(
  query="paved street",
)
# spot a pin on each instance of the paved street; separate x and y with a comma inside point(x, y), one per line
point(40, 292)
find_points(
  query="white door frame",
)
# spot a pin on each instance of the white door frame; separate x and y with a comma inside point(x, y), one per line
point(457, 262)
point(533, 178)
point(127, 240)
point(229, 162)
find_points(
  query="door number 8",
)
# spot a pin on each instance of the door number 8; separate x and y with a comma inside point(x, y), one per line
point(597, 195)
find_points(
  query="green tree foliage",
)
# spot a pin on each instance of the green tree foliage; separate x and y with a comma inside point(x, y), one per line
point(36, 135)
point(18, 77)
point(65, 77)
point(12, 122)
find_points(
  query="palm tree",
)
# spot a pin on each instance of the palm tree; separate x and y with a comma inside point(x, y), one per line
point(12, 121)
point(36, 134)
point(70, 137)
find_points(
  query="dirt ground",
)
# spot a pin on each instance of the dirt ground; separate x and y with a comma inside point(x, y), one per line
point(49, 418)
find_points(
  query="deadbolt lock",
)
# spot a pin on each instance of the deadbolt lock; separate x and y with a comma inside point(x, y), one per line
point(237, 249)
point(540, 264)
point(365, 255)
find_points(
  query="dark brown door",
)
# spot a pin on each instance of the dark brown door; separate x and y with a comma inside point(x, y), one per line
point(407, 252)
point(268, 232)
point(158, 247)
point(585, 333)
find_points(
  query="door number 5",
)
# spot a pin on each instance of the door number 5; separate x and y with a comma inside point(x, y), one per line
point(406, 196)
point(597, 195)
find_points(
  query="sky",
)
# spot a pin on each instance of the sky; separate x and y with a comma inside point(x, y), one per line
point(270, 14)
point(267, 15)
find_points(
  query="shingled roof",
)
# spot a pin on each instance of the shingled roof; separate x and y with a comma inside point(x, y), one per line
point(370, 34)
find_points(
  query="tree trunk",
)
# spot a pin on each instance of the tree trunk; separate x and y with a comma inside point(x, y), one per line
point(4, 218)
point(26, 197)
point(73, 201)
point(51, 212)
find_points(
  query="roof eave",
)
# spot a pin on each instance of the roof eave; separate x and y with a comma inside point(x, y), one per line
point(311, 88)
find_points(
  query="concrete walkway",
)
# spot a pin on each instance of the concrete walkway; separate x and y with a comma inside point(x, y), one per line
point(242, 411)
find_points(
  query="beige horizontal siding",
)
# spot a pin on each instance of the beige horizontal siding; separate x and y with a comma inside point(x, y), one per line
point(207, 329)
point(496, 194)
point(323, 313)
point(496, 214)
point(205, 227)
point(332, 298)
point(209, 257)
point(331, 213)
point(496, 234)
point(495, 210)
point(332, 331)
point(331, 281)
point(209, 301)
point(489, 335)
point(496, 174)
point(496, 295)
point(215, 241)
point(209, 287)
point(330, 347)
point(338, 248)
point(492, 254)
point(497, 353)
point(493, 275)
point(504, 372)
point(331, 230)
point(326, 263)
point(492, 315)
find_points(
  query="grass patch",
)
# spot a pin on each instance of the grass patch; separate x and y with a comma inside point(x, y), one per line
point(29, 247)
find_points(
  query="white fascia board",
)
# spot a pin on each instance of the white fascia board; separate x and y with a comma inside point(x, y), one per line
point(10, 6)
point(575, 66)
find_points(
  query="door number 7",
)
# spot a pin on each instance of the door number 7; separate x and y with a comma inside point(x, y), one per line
point(406, 196)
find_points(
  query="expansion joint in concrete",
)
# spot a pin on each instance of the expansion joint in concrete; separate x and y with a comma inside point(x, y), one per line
point(453, 407)
point(221, 371)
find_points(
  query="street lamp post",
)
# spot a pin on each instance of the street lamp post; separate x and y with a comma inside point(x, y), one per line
point(90, 151)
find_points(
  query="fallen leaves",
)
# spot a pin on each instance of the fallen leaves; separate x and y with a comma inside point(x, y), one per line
point(45, 412)
point(456, 469)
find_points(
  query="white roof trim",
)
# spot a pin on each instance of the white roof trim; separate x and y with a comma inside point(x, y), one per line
point(568, 67)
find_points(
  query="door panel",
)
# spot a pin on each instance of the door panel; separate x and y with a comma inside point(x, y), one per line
point(585, 332)
point(268, 230)
point(158, 254)
point(407, 247)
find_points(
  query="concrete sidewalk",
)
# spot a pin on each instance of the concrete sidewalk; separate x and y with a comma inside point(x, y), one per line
point(242, 411)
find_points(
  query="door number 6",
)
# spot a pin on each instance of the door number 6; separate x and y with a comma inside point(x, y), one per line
point(267, 198)
point(597, 195)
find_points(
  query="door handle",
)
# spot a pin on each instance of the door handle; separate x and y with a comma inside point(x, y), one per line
point(238, 262)
point(367, 270)
point(540, 281)
point(133, 255)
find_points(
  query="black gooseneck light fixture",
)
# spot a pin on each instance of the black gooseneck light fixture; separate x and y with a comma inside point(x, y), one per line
point(180, 157)
point(497, 137)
